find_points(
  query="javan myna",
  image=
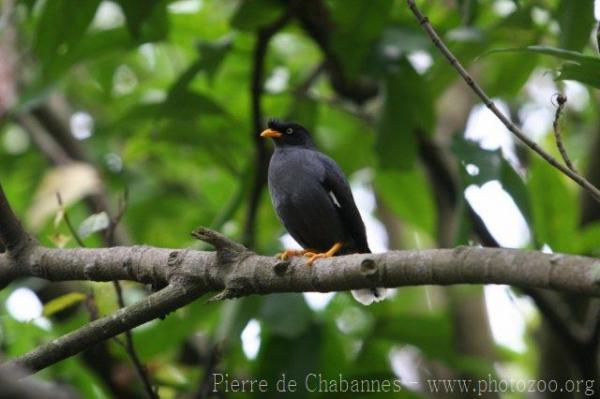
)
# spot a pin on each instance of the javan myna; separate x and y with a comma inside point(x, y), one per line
point(313, 200)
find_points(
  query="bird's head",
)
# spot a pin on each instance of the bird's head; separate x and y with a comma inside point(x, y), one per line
point(287, 134)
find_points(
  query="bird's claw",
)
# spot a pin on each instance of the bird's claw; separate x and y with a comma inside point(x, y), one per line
point(291, 252)
point(313, 257)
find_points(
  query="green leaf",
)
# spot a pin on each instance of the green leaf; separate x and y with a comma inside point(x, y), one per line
point(576, 20)
point(508, 76)
point(408, 107)
point(586, 73)
point(59, 29)
point(255, 14)
point(147, 23)
point(563, 54)
point(516, 188)
point(490, 165)
point(212, 54)
point(487, 162)
point(581, 67)
point(93, 224)
point(554, 206)
point(62, 302)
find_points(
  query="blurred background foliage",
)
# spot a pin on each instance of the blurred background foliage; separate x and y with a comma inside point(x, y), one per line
point(156, 106)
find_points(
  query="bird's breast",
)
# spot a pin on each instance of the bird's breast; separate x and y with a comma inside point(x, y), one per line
point(303, 205)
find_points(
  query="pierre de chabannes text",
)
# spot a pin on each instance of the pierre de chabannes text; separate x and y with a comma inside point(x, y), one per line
point(316, 382)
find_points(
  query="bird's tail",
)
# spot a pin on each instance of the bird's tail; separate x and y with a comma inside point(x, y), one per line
point(368, 296)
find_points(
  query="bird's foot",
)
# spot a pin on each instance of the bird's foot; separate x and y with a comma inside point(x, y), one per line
point(292, 252)
point(314, 256)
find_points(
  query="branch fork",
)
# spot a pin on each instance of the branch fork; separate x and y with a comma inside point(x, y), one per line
point(230, 255)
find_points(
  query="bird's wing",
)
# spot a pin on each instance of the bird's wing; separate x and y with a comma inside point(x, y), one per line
point(339, 191)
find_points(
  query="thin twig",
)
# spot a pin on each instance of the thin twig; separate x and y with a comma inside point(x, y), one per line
point(561, 100)
point(116, 219)
point(90, 302)
point(437, 41)
point(92, 308)
point(130, 349)
point(129, 344)
point(91, 305)
point(70, 226)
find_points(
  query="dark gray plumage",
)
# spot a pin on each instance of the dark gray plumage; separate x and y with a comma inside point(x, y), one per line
point(312, 198)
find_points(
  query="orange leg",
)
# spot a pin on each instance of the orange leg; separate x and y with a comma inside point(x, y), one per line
point(292, 252)
point(314, 256)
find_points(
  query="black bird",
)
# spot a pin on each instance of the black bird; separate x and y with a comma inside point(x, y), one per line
point(313, 200)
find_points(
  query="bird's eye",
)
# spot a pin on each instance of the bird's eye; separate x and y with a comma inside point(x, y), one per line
point(289, 130)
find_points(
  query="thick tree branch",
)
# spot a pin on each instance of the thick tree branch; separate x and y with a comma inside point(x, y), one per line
point(242, 272)
point(514, 129)
point(129, 346)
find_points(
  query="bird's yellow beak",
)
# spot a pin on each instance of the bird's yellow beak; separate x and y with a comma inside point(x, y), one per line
point(270, 133)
